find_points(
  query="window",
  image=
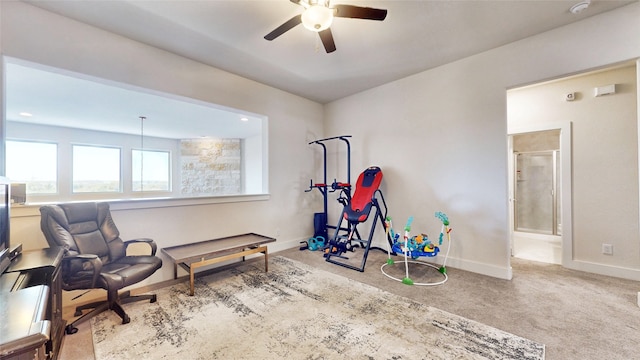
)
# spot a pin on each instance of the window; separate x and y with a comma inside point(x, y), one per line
point(41, 174)
point(96, 169)
point(191, 148)
point(150, 170)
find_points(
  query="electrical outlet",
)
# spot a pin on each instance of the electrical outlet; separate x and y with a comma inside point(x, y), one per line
point(607, 249)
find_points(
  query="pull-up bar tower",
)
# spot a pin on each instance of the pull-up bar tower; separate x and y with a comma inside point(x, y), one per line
point(320, 219)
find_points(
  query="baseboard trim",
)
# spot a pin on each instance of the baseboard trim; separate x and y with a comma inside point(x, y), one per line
point(608, 270)
point(281, 245)
point(474, 267)
point(495, 271)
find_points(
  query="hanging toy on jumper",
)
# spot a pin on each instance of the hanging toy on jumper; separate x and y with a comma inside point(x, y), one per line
point(417, 246)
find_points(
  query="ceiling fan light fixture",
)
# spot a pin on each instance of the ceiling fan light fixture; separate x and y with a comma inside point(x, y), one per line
point(317, 17)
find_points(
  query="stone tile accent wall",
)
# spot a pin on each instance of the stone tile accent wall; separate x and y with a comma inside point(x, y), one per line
point(210, 166)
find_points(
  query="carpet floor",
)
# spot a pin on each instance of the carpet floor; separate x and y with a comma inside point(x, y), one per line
point(576, 315)
point(296, 311)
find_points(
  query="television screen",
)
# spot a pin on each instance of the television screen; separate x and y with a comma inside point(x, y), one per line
point(5, 196)
point(5, 187)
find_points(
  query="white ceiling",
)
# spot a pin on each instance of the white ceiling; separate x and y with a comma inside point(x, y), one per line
point(113, 107)
point(415, 36)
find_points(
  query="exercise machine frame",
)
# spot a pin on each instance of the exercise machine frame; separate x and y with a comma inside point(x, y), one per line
point(324, 188)
point(343, 243)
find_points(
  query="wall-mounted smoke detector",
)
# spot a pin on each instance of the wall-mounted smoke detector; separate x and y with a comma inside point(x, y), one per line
point(579, 7)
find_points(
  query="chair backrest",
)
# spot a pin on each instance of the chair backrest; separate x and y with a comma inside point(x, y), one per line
point(82, 228)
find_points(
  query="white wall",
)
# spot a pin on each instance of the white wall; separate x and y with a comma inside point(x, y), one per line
point(39, 36)
point(252, 167)
point(440, 135)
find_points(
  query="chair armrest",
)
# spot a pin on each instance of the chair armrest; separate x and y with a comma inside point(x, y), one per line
point(152, 244)
point(93, 260)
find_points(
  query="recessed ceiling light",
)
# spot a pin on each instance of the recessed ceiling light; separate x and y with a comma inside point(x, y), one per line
point(244, 119)
point(26, 114)
point(579, 7)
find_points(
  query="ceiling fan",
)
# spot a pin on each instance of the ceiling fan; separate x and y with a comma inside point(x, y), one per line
point(318, 15)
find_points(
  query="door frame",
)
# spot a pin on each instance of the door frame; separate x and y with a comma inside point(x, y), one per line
point(553, 207)
point(566, 220)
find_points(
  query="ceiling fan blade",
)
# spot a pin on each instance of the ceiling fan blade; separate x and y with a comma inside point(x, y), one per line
point(284, 27)
point(359, 12)
point(327, 40)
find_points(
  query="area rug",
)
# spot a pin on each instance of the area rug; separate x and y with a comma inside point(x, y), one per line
point(295, 311)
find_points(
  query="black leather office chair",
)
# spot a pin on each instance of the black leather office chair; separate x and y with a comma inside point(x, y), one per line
point(95, 256)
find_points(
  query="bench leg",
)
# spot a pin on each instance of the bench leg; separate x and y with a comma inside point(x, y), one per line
point(191, 281)
point(205, 262)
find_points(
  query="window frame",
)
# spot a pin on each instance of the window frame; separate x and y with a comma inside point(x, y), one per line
point(168, 169)
point(56, 180)
point(95, 146)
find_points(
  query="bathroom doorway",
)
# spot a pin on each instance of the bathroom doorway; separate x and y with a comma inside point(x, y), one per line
point(537, 196)
point(536, 192)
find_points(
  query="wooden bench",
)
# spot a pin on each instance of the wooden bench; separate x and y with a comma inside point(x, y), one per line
point(195, 255)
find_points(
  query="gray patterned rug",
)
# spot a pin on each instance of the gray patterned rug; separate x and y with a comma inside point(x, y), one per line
point(295, 312)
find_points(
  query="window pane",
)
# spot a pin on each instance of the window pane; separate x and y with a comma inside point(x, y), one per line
point(150, 170)
point(33, 163)
point(96, 169)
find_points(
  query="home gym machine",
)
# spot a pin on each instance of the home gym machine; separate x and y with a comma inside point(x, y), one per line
point(320, 219)
point(356, 210)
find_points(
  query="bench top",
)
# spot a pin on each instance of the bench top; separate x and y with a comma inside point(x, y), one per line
point(198, 250)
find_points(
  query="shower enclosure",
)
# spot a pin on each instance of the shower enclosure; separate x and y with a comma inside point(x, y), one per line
point(537, 190)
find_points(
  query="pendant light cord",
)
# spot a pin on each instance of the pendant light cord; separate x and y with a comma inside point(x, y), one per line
point(142, 119)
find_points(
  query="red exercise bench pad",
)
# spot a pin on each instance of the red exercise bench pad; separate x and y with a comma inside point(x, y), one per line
point(360, 205)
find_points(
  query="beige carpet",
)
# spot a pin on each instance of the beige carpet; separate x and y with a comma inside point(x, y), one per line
point(296, 311)
point(576, 315)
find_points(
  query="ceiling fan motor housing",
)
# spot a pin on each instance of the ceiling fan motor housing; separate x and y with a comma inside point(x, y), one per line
point(317, 17)
point(316, 2)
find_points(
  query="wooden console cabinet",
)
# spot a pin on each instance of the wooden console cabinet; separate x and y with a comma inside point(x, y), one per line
point(24, 331)
point(42, 268)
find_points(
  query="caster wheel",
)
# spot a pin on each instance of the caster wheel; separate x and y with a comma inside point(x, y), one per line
point(126, 319)
point(70, 329)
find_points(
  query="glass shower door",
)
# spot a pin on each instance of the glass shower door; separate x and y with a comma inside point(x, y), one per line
point(536, 191)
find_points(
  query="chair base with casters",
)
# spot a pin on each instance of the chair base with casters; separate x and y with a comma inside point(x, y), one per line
point(99, 306)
